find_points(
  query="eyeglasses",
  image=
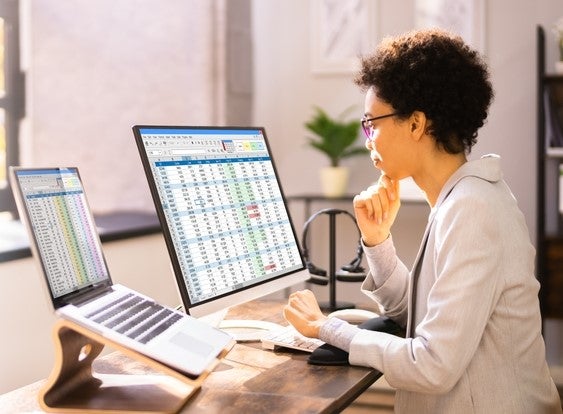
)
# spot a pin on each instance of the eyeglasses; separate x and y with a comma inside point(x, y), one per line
point(367, 127)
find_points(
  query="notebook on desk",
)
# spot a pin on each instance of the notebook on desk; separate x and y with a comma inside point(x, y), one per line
point(64, 240)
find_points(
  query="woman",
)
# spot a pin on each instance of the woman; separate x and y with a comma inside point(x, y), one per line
point(470, 302)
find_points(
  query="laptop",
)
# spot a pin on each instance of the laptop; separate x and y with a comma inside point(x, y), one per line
point(64, 240)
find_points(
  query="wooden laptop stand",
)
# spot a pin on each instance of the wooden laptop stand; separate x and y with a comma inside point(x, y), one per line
point(73, 387)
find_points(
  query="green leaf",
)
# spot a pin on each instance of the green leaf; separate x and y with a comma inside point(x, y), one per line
point(334, 136)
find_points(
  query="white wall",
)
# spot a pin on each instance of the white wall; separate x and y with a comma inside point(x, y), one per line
point(95, 68)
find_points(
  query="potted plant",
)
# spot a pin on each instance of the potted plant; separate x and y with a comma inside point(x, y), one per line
point(334, 137)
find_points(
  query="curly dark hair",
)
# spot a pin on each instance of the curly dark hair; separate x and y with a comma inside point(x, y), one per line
point(435, 72)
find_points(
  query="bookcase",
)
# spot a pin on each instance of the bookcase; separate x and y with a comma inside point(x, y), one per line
point(549, 189)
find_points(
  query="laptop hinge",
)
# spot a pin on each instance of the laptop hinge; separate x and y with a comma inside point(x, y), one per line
point(84, 298)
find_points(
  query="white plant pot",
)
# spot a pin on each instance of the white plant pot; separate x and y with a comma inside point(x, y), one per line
point(334, 181)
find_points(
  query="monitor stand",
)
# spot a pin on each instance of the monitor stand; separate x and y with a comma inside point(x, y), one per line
point(243, 330)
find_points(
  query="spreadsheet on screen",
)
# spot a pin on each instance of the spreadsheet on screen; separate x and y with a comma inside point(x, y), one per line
point(223, 206)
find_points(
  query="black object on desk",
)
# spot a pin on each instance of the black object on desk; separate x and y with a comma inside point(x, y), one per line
point(330, 355)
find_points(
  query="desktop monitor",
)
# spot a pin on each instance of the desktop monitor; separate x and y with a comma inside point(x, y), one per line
point(223, 214)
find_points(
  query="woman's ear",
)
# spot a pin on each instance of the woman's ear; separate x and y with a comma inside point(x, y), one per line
point(418, 124)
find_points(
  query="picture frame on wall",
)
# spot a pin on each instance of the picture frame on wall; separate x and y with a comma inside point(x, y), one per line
point(341, 31)
point(464, 17)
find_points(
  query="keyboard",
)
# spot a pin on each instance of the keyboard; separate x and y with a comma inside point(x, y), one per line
point(134, 316)
point(288, 337)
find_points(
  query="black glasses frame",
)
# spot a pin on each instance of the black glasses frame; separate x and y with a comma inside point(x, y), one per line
point(367, 128)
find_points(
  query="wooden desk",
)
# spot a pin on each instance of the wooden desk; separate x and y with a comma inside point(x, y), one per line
point(248, 380)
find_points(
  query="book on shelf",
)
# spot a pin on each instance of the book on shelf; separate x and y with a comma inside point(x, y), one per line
point(553, 122)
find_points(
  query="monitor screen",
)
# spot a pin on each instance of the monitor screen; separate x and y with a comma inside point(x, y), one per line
point(223, 213)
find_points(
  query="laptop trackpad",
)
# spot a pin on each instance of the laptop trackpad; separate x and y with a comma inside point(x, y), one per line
point(193, 344)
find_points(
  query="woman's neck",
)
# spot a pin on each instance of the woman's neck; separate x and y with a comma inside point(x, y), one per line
point(435, 171)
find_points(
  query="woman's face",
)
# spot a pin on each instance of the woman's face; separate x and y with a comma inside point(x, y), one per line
point(389, 142)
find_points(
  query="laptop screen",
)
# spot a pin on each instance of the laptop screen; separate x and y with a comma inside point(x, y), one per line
point(62, 229)
point(225, 218)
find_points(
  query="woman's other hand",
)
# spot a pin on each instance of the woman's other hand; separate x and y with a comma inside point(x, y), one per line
point(303, 312)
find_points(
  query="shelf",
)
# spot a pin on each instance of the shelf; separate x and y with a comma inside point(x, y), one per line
point(553, 240)
point(553, 283)
point(410, 194)
point(556, 77)
point(549, 242)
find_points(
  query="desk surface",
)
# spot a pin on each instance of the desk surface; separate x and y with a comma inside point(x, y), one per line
point(248, 380)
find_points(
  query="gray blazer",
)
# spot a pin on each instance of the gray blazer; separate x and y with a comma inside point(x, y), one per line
point(470, 305)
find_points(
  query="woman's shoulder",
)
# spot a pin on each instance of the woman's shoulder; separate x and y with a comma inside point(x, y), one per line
point(477, 202)
point(473, 192)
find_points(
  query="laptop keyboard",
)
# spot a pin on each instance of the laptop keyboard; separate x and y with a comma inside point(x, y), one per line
point(136, 317)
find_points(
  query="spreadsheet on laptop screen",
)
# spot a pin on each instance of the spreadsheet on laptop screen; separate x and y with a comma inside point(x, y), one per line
point(64, 231)
point(223, 207)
